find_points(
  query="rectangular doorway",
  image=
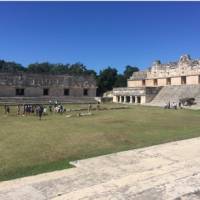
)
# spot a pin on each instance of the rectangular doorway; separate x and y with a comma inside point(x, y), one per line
point(19, 91)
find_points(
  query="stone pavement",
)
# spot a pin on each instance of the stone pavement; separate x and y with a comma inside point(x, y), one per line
point(168, 171)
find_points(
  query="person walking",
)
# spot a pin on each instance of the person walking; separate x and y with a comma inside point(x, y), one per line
point(40, 111)
point(7, 109)
point(18, 110)
point(89, 107)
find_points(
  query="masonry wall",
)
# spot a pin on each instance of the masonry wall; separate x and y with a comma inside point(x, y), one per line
point(135, 83)
point(176, 81)
point(32, 91)
point(192, 80)
point(7, 91)
point(149, 83)
point(34, 85)
point(161, 82)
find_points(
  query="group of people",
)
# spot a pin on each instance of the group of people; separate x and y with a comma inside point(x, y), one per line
point(173, 105)
point(6, 109)
point(27, 109)
point(40, 110)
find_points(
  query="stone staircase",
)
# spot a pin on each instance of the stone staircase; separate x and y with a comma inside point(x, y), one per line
point(174, 93)
point(45, 100)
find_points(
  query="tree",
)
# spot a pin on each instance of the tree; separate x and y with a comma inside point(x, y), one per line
point(40, 67)
point(77, 68)
point(129, 71)
point(11, 67)
point(106, 80)
point(120, 81)
point(60, 69)
point(91, 72)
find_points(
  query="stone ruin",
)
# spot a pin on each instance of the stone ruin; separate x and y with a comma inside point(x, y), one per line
point(20, 86)
point(161, 83)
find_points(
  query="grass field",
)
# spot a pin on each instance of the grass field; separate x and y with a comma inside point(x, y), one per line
point(29, 146)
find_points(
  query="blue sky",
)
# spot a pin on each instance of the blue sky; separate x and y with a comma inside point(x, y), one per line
point(99, 34)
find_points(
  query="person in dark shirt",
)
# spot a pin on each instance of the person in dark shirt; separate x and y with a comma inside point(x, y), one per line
point(40, 111)
point(7, 109)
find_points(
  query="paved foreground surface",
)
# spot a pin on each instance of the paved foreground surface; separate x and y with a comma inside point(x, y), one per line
point(169, 171)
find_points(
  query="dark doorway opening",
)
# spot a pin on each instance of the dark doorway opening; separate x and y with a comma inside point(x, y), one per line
point(139, 99)
point(128, 99)
point(183, 80)
point(45, 91)
point(168, 80)
point(85, 92)
point(19, 92)
point(66, 92)
point(155, 82)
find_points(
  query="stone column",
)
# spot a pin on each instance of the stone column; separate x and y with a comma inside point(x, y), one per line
point(117, 99)
point(125, 99)
point(120, 99)
point(131, 99)
point(136, 100)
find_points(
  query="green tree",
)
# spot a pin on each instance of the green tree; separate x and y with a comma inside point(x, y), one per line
point(77, 68)
point(129, 71)
point(11, 67)
point(120, 81)
point(106, 80)
point(60, 69)
point(40, 67)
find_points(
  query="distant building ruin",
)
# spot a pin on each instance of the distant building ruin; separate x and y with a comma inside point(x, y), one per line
point(145, 86)
point(46, 87)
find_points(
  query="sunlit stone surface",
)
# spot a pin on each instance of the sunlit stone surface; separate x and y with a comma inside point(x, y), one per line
point(168, 171)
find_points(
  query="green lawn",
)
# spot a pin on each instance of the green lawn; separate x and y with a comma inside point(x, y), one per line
point(29, 146)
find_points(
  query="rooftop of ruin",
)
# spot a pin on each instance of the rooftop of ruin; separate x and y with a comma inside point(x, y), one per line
point(185, 62)
point(30, 79)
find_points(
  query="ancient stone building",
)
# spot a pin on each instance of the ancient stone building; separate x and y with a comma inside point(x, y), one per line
point(145, 86)
point(46, 87)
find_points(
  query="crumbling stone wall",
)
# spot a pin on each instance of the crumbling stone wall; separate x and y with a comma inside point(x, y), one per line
point(174, 70)
point(34, 85)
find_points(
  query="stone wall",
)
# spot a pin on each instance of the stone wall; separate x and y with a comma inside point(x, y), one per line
point(35, 84)
point(173, 70)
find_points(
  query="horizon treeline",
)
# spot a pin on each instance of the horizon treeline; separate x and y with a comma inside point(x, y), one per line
point(106, 79)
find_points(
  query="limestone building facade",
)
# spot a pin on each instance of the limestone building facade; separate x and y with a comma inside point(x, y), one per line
point(143, 86)
point(46, 85)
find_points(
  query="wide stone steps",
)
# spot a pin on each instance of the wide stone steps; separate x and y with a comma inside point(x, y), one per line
point(45, 100)
point(174, 93)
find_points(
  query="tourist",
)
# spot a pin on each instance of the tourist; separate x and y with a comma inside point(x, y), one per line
point(40, 111)
point(180, 105)
point(7, 109)
point(98, 105)
point(18, 110)
point(50, 108)
point(61, 108)
point(169, 106)
point(55, 103)
point(166, 106)
point(174, 105)
point(89, 107)
point(45, 111)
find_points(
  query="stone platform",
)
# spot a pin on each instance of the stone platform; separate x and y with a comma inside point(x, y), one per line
point(45, 100)
point(168, 171)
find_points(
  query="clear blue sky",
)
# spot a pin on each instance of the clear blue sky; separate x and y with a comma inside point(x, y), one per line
point(99, 34)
